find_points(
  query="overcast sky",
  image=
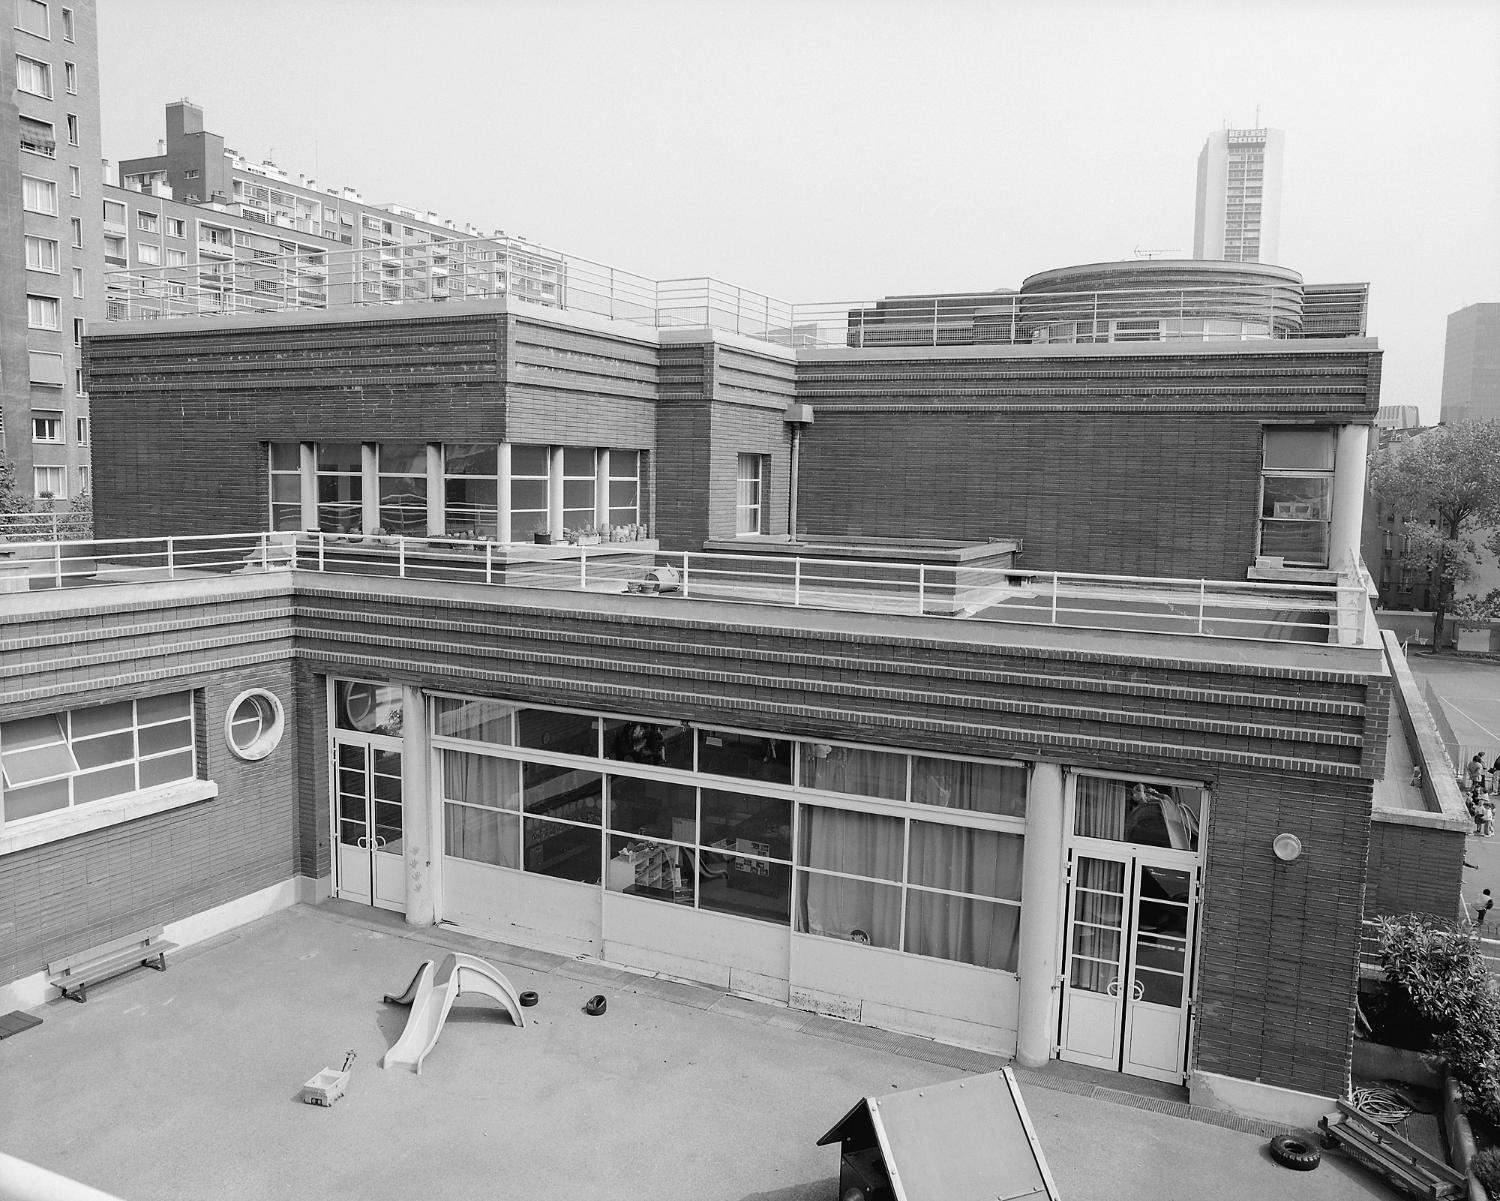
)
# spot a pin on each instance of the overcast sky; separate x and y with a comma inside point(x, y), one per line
point(834, 150)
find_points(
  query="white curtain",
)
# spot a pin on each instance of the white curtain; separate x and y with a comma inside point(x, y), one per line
point(854, 772)
point(865, 844)
point(1154, 815)
point(483, 824)
point(984, 862)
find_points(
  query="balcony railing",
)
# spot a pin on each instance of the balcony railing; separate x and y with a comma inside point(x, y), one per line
point(1127, 604)
point(488, 268)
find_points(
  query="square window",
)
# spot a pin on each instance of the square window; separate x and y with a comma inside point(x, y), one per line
point(32, 17)
point(34, 77)
point(46, 426)
point(149, 254)
point(50, 483)
point(38, 137)
point(46, 369)
point(41, 255)
point(41, 312)
point(39, 195)
point(146, 222)
point(176, 227)
point(176, 258)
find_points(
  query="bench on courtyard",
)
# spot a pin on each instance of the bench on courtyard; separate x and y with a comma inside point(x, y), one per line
point(73, 974)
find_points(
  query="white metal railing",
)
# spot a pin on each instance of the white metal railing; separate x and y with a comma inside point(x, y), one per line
point(44, 525)
point(1198, 608)
point(486, 268)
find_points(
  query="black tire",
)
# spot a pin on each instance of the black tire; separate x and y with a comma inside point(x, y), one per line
point(529, 998)
point(595, 1006)
point(1293, 1151)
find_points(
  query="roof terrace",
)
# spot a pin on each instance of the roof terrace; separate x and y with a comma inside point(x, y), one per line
point(939, 584)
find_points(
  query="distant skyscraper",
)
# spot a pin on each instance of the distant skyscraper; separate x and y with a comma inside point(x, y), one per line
point(1239, 196)
point(1471, 363)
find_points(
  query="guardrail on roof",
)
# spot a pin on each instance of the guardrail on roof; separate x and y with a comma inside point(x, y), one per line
point(1127, 604)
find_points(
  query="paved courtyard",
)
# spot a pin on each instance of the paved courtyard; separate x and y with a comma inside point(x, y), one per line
point(186, 1085)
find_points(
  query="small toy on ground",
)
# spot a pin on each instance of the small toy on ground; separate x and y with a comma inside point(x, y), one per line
point(328, 1085)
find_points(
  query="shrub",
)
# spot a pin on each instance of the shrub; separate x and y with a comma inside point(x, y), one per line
point(1441, 972)
point(1486, 1169)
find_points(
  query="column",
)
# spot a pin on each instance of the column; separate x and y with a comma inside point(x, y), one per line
point(437, 497)
point(601, 487)
point(1348, 496)
point(369, 487)
point(555, 492)
point(309, 464)
point(1041, 915)
point(502, 495)
point(418, 821)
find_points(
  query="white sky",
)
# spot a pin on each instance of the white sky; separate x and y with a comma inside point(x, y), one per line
point(837, 150)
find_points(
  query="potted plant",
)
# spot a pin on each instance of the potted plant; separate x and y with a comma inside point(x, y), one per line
point(542, 537)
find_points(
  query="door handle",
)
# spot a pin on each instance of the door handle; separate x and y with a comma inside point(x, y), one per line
point(363, 842)
point(1113, 987)
point(1137, 989)
point(379, 842)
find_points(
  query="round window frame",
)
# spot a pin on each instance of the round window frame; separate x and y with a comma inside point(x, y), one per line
point(269, 739)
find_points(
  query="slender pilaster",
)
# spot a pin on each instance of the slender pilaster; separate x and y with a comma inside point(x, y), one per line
point(555, 492)
point(369, 487)
point(502, 496)
point(437, 499)
point(309, 480)
point(1041, 914)
point(418, 824)
point(601, 487)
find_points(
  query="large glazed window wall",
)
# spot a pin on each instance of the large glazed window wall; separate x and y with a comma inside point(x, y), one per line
point(893, 849)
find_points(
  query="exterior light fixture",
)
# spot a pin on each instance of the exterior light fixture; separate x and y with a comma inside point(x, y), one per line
point(1288, 847)
point(797, 417)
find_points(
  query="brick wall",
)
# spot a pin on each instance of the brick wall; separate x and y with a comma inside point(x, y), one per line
point(1405, 860)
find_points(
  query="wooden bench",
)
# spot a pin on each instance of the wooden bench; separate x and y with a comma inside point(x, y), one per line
point(74, 973)
point(1384, 1151)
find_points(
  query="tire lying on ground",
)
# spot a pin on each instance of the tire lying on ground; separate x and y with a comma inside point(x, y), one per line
point(1293, 1151)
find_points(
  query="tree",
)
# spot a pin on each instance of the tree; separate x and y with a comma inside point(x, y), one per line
point(12, 499)
point(1447, 481)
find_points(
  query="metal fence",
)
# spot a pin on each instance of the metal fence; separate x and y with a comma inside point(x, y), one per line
point(45, 525)
point(1199, 608)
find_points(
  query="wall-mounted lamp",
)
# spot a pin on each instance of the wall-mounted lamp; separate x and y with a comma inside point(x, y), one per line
point(1288, 847)
point(798, 417)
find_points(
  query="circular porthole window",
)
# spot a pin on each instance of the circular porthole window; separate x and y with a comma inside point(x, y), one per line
point(254, 723)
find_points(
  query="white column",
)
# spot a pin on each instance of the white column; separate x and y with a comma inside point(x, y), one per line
point(1041, 914)
point(555, 492)
point(437, 497)
point(601, 487)
point(1348, 495)
point(369, 473)
point(309, 464)
point(502, 495)
point(417, 823)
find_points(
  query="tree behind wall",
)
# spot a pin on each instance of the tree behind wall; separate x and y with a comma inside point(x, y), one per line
point(1447, 480)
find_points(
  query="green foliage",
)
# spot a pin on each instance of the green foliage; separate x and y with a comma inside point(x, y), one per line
point(1439, 969)
point(1486, 1169)
point(1480, 608)
point(12, 499)
point(1450, 474)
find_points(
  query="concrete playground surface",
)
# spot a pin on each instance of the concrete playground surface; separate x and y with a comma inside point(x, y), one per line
point(186, 1084)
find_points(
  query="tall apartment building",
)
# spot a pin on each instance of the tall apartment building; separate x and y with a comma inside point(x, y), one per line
point(1471, 363)
point(1239, 196)
point(233, 235)
point(51, 245)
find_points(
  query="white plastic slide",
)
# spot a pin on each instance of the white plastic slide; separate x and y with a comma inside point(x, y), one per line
point(431, 994)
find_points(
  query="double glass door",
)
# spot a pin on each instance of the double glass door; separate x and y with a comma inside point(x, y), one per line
point(1127, 967)
point(367, 817)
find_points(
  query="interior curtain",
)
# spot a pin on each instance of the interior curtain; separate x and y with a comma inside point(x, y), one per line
point(1153, 815)
point(1099, 808)
point(480, 784)
point(865, 844)
point(854, 772)
point(960, 859)
point(996, 788)
point(1098, 918)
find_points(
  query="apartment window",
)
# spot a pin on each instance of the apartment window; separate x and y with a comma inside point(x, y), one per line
point(62, 760)
point(748, 510)
point(176, 258)
point(76, 223)
point(149, 254)
point(39, 195)
point(46, 368)
point(67, 24)
point(528, 492)
point(32, 17)
point(146, 222)
point(38, 137)
point(70, 75)
point(83, 433)
point(286, 485)
point(50, 483)
point(114, 247)
point(78, 380)
point(41, 312)
point(191, 173)
point(72, 129)
point(176, 227)
point(41, 255)
point(114, 212)
point(46, 426)
point(402, 471)
point(471, 489)
point(77, 331)
point(75, 181)
point(1297, 494)
point(78, 282)
point(34, 77)
point(83, 480)
point(624, 487)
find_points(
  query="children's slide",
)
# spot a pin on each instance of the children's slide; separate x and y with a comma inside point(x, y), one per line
point(431, 994)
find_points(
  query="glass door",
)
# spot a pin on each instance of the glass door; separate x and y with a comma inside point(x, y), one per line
point(1156, 1006)
point(1094, 963)
point(367, 814)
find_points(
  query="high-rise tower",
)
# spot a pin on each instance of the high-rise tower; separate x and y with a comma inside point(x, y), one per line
point(1239, 196)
